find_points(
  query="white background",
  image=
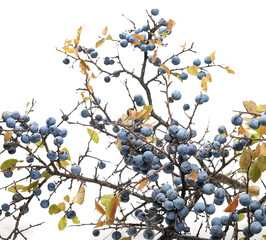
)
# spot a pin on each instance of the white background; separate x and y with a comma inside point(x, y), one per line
point(30, 66)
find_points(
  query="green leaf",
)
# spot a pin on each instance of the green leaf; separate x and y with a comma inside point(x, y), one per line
point(245, 159)
point(39, 144)
point(264, 236)
point(109, 37)
point(75, 220)
point(45, 174)
point(94, 135)
point(262, 163)
point(62, 223)
point(54, 209)
point(254, 172)
point(177, 75)
point(9, 163)
point(241, 217)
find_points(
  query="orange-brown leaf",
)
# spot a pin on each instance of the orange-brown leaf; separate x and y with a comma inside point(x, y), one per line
point(99, 208)
point(256, 152)
point(232, 206)
point(135, 43)
point(166, 69)
point(143, 183)
point(100, 223)
point(138, 37)
point(84, 67)
point(112, 207)
point(151, 42)
point(193, 175)
point(154, 56)
point(7, 136)
point(105, 30)
point(242, 130)
point(76, 41)
point(262, 130)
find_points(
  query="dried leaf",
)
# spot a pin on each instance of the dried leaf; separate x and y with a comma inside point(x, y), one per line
point(80, 196)
point(262, 130)
point(204, 82)
point(62, 206)
point(256, 152)
point(143, 183)
point(99, 208)
point(232, 206)
point(94, 135)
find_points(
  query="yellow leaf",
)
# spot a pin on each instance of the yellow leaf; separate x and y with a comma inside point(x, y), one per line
point(193, 70)
point(62, 206)
point(105, 30)
point(99, 208)
point(144, 114)
point(229, 70)
point(105, 199)
point(70, 50)
point(170, 24)
point(99, 43)
point(66, 150)
point(166, 69)
point(84, 67)
point(90, 88)
point(242, 130)
point(133, 114)
point(75, 220)
point(135, 43)
point(126, 238)
point(138, 37)
point(212, 56)
point(232, 206)
point(62, 223)
point(94, 135)
point(204, 82)
point(158, 42)
point(151, 42)
point(80, 196)
point(62, 163)
point(8, 136)
point(67, 198)
point(76, 41)
point(143, 183)
point(261, 108)
point(254, 190)
point(193, 175)
point(112, 207)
